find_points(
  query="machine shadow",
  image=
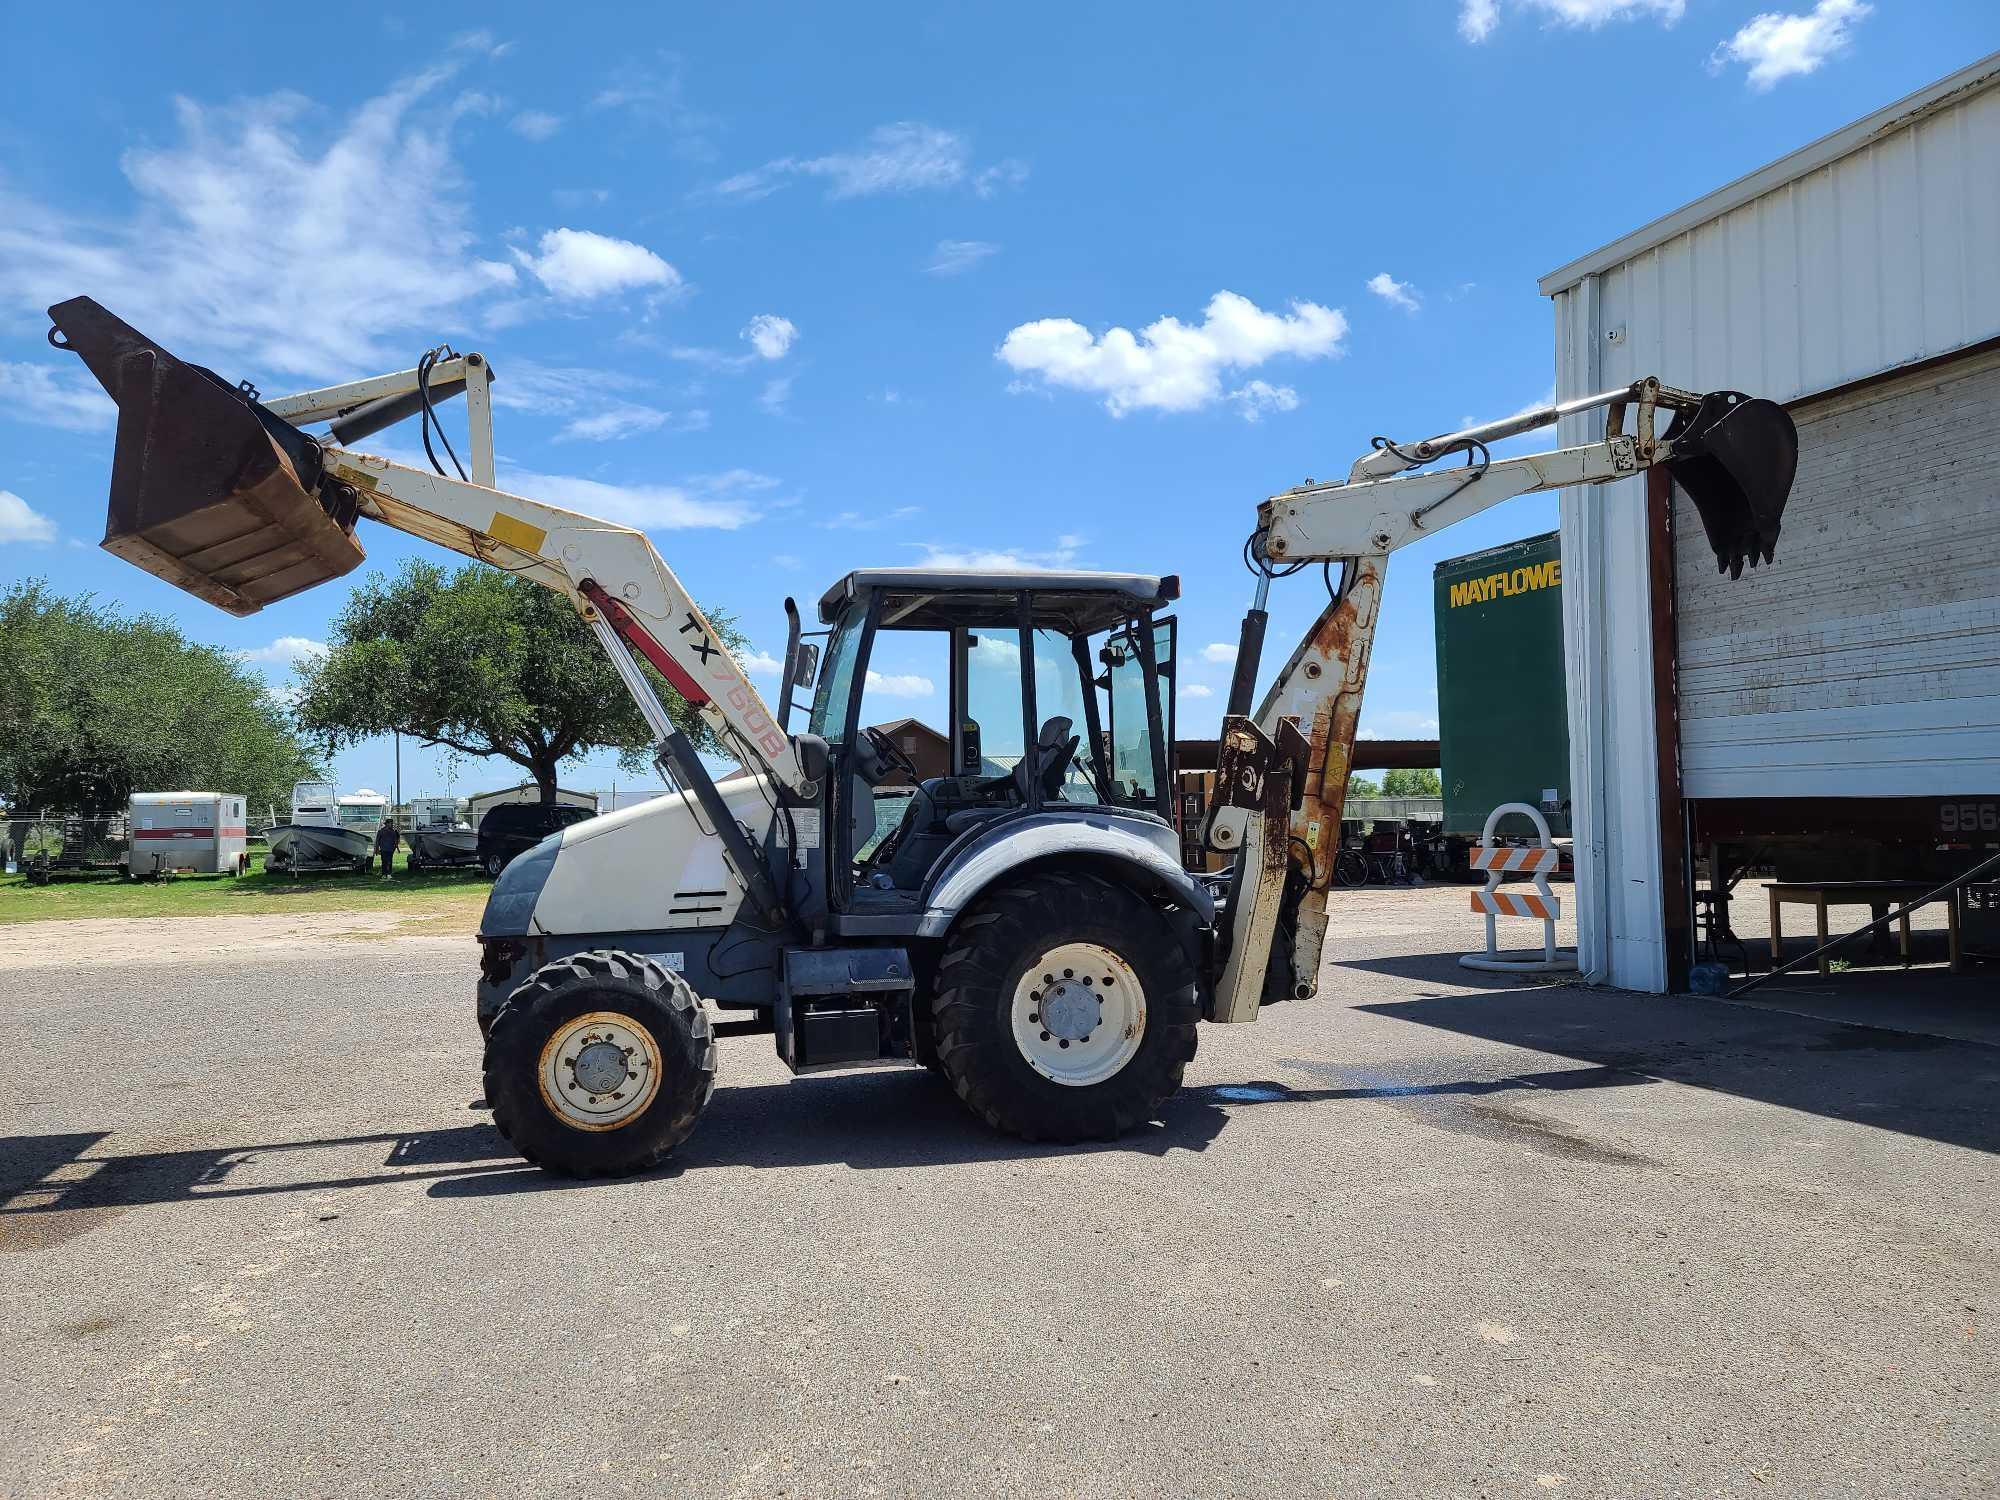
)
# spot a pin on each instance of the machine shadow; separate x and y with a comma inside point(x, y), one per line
point(1932, 1087)
point(868, 1121)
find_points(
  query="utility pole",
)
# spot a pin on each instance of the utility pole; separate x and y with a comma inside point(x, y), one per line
point(399, 776)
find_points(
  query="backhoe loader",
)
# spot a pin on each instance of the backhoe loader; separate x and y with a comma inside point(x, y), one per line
point(1026, 928)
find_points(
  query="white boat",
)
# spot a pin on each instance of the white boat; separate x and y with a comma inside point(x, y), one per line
point(327, 831)
point(438, 836)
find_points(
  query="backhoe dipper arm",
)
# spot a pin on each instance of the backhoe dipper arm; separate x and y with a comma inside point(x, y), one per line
point(1736, 458)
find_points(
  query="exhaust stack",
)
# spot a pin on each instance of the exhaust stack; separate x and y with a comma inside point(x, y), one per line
point(209, 491)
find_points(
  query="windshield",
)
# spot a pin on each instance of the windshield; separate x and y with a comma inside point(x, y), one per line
point(361, 814)
point(836, 677)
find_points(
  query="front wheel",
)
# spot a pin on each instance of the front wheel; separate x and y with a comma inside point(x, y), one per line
point(1350, 869)
point(1065, 1008)
point(599, 1064)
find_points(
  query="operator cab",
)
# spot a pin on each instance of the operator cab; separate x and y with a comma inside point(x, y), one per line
point(1057, 702)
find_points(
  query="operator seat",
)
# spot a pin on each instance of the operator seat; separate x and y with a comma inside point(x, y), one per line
point(945, 806)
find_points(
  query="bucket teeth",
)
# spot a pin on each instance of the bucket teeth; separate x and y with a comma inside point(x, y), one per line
point(209, 491)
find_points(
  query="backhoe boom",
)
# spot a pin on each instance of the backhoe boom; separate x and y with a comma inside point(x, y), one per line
point(1734, 455)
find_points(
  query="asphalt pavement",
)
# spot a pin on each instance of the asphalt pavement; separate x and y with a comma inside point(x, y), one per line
point(1433, 1234)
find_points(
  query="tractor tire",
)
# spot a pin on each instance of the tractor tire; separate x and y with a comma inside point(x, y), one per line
point(1065, 1009)
point(559, 1087)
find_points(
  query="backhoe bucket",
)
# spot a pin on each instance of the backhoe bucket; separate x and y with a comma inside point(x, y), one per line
point(1736, 457)
point(208, 490)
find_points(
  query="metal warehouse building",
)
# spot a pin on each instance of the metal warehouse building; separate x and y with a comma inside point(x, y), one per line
point(1847, 698)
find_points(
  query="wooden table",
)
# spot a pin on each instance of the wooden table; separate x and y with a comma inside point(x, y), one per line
point(1878, 895)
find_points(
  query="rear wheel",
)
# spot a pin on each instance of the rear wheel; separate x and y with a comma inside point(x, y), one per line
point(1065, 1009)
point(1350, 869)
point(599, 1064)
point(493, 864)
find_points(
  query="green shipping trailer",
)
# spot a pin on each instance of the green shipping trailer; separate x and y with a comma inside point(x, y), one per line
point(1503, 711)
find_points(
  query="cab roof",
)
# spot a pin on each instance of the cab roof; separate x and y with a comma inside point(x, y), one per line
point(938, 598)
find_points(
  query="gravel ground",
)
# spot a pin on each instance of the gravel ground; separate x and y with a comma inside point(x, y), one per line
point(1433, 1234)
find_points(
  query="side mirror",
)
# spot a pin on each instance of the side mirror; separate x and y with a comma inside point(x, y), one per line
point(805, 669)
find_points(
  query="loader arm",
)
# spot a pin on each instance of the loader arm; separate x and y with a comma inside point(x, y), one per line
point(1283, 770)
point(613, 574)
point(222, 494)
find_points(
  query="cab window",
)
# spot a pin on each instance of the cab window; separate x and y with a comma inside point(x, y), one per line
point(836, 677)
point(992, 734)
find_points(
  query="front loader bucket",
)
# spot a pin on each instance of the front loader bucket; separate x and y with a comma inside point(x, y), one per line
point(208, 490)
point(1736, 457)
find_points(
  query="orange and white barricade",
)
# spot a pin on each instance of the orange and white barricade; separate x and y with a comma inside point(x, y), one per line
point(1535, 900)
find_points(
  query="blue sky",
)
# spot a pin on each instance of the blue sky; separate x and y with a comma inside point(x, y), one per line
point(804, 289)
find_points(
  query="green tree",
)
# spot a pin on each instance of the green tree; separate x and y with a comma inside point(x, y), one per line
point(1361, 786)
point(1412, 784)
point(486, 664)
point(95, 705)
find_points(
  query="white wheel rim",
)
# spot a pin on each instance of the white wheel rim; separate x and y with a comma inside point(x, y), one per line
point(600, 1071)
point(1079, 1014)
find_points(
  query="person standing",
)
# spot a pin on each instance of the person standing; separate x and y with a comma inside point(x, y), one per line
point(387, 837)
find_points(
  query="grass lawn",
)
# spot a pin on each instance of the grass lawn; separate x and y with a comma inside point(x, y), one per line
point(433, 892)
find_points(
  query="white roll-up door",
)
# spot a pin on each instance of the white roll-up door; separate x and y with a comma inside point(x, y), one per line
point(1866, 663)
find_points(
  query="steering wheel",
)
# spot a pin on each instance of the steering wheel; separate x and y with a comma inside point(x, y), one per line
point(889, 755)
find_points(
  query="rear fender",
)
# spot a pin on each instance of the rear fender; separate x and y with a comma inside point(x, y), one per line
point(1120, 849)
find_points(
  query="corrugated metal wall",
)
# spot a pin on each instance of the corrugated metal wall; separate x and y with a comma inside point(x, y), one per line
point(1887, 254)
point(1867, 663)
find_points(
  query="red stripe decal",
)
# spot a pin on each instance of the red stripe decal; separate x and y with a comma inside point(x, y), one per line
point(642, 640)
point(173, 833)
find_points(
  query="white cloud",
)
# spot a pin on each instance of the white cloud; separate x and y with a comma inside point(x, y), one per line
point(900, 685)
point(1196, 690)
point(954, 256)
point(576, 264)
point(1168, 365)
point(21, 522)
point(1254, 398)
point(723, 502)
point(1002, 175)
point(1478, 19)
point(650, 92)
point(626, 419)
point(761, 664)
point(528, 386)
point(776, 395)
point(771, 336)
point(1395, 293)
point(258, 241)
point(1775, 46)
point(1218, 651)
point(535, 124)
point(905, 157)
point(55, 396)
point(1000, 560)
point(1399, 724)
point(868, 520)
point(285, 651)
